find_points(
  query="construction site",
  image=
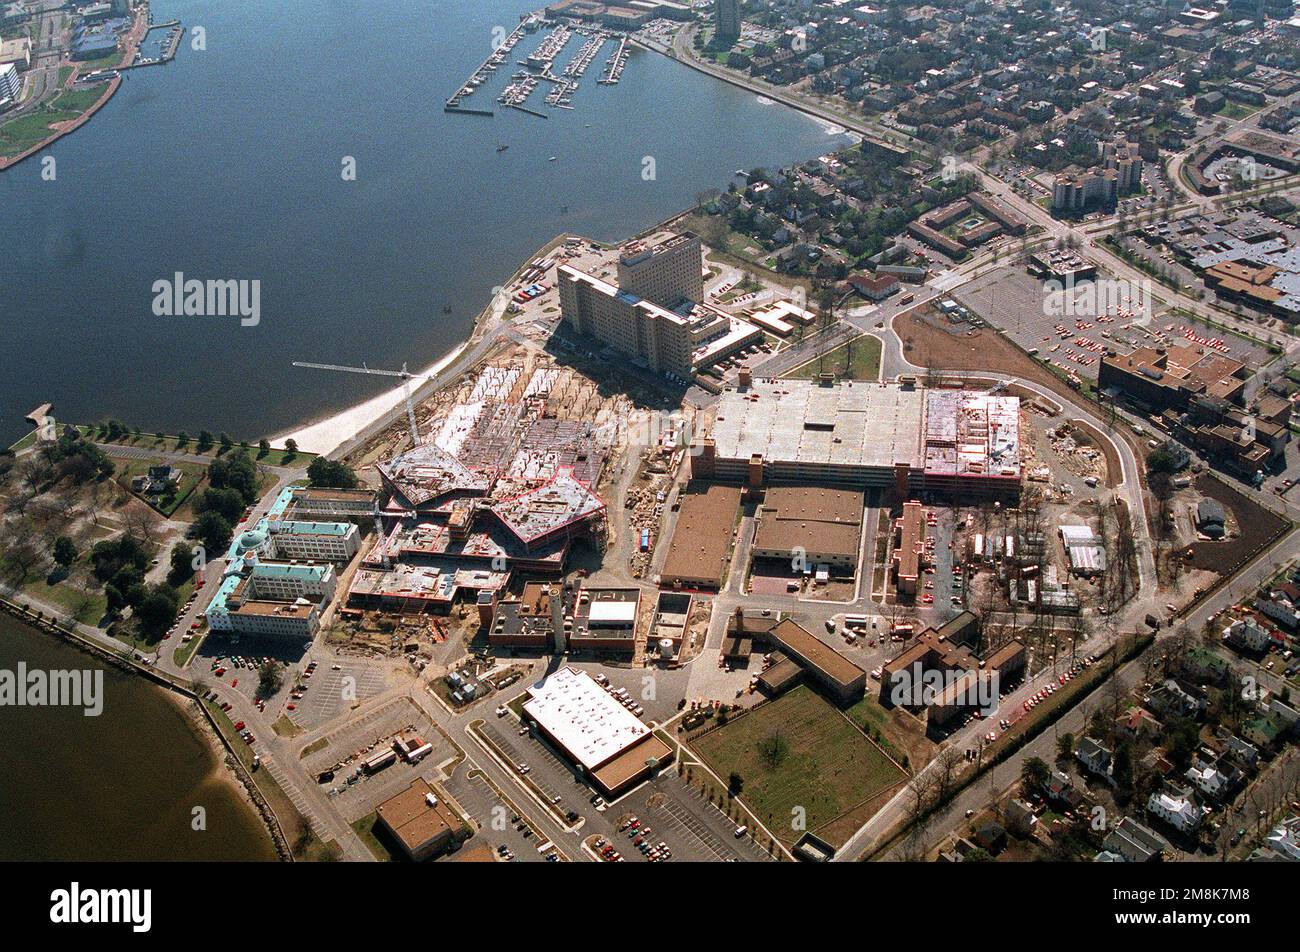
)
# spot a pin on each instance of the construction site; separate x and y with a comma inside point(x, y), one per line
point(497, 488)
point(505, 480)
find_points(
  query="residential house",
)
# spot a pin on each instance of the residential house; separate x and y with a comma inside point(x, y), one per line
point(1020, 818)
point(1210, 780)
point(156, 481)
point(1261, 731)
point(1096, 758)
point(1062, 792)
point(1135, 843)
point(1137, 723)
point(1179, 810)
point(1248, 635)
point(1177, 700)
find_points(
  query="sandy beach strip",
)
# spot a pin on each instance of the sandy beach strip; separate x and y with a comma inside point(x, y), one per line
point(330, 433)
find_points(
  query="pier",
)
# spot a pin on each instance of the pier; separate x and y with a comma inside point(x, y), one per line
point(531, 112)
point(165, 56)
point(583, 58)
point(489, 66)
point(538, 67)
point(616, 63)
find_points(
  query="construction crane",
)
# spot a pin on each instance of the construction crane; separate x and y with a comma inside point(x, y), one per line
point(363, 369)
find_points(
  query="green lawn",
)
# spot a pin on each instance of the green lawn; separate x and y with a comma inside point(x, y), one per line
point(192, 475)
point(1236, 110)
point(858, 359)
point(149, 441)
point(181, 656)
point(365, 830)
point(19, 135)
point(111, 61)
point(828, 768)
point(85, 608)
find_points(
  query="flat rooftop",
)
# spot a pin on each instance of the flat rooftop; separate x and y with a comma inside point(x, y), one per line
point(823, 520)
point(413, 820)
point(848, 423)
point(968, 433)
point(702, 536)
point(583, 718)
point(627, 765)
point(909, 547)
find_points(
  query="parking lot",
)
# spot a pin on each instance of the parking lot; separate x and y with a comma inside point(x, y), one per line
point(329, 692)
point(350, 745)
point(499, 819)
point(655, 689)
point(1074, 332)
point(693, 828)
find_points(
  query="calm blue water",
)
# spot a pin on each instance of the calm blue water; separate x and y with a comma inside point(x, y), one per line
point(226, 164)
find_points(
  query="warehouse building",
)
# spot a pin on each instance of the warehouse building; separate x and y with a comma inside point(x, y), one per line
point(701, 542)
point(1084, 549)
point(857, 435)
point(812, 526)
point(609, 744)
point(420, 820)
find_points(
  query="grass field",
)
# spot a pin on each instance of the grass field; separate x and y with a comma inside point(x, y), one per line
point(367, 831)
point(828, 767)
point(858, 359)
point(20, 134)
point(192, 475)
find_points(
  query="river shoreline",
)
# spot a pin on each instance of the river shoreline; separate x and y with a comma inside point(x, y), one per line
point(351, 423)
point(188, 705)
point(139, 29)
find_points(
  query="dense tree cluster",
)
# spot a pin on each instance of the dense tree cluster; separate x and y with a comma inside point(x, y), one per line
point(330, 474)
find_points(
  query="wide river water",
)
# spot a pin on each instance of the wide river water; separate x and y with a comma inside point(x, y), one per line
point(120, 786)
point(227, 164)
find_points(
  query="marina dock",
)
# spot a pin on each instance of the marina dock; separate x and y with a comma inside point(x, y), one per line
point(616, 63)
point(531, 112)
point(485, 69)
point(538, 67)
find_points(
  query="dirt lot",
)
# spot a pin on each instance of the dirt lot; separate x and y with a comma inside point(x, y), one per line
point(1258, 526)
point(986, 349)
point(1114, 471)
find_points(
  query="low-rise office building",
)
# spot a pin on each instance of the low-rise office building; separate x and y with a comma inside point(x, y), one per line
point(839, 676)
point(420, 820)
